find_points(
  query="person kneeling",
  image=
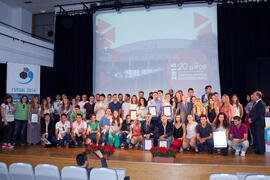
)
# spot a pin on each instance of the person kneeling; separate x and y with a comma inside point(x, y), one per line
point(204, 133)
point(93, 131)
point(62, 132)
point(136, 137)
point(164, 131)
point(238, 136)
point(124, 132)
point(47, 131)
point(78, 131)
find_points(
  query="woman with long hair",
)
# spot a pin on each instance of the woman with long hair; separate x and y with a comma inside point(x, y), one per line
point(66, 108)
point(198, 109)
point(226, 107)
point(50, 104)
point(221, 124)
point(190, 140)
point(33, 128)
point(136, 137)
point(7, 113)
point(116, 125)
point(179, 132)
point(177, 102)
point(134, 103)
point(237, 106)
point(211, 110)
point(141, 109)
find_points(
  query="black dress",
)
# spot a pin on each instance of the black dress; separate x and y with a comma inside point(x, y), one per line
point(178, 133)
point(211, 114)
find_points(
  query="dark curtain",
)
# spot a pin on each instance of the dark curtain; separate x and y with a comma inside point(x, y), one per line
point(73, 59)
point(3, 80)
point(244, 48)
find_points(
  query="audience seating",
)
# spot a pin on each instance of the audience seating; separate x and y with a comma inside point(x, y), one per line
point(4, 174)
point(47, 172)
point(74, 173)
point(257, 177)
point(223, 176)
point(103, 173)
point(21, 171)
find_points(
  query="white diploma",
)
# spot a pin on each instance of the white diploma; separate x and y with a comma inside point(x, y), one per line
point(220, 139)
point(167, 111)
point(152, 110)
point(34, 118)
point(147, 144)
point(133, 114)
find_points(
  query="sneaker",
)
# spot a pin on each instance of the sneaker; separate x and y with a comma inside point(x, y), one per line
point(243, 154)
point(103, 144)
point(10, 146)
point(130, 146)
point(196, 150)
point(237, 152)
point(4, 145)
point(137, 145)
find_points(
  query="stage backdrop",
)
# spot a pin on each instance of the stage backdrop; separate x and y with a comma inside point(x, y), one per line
point(161, 48)
point(23, 79)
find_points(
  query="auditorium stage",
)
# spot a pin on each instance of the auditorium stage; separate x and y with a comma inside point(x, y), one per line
point(139, 164)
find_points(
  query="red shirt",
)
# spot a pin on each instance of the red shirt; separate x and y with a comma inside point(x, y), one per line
point(238, 133)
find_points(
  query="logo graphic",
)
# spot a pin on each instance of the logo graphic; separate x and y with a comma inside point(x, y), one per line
point(26, 76)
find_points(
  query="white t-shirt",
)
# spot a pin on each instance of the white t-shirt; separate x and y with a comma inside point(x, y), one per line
point(125, 108)
point(8, 111)
point(79, 127)
point(63, 128)
point(81, 104)
point(101, 112)
point(57, 106)
point(133, 107)
point(191, 130)
point(116, 126)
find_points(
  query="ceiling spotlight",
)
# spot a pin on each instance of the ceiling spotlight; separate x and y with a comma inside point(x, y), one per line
point(179, 2)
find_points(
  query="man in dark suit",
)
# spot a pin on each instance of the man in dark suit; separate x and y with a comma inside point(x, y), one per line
point(257, 122)
point(148, 128)
point(164, 130)
point(47, 129)
point(184, 108)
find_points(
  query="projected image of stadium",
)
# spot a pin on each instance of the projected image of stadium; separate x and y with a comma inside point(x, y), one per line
point(165, 48)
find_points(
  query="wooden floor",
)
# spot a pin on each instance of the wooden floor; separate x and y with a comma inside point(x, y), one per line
point(139, 165)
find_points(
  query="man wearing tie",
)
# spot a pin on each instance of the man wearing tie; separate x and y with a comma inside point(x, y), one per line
point(164, 130)
point(257, 122)
point(184, 109)
point(148, 128)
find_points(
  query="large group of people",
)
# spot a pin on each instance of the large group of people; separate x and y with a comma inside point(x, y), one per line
point(111, 120)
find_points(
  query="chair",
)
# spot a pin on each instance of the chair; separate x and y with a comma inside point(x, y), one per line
point(21, 171)
point(4, 175)
point(257, 177)
point(103, 173)
point(223, 176)
point(47, 171)
point(74, 173)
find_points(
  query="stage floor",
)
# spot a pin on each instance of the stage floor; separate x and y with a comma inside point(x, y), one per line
point(143, 156)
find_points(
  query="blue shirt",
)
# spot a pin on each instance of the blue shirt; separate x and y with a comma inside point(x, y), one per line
point(115, 106)
point(156, 103)
point(104, 121)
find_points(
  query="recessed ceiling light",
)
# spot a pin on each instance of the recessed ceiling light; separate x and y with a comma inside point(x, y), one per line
point(27, 2)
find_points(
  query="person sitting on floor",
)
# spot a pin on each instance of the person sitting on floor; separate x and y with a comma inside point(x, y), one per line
point(93, 130)
point(136, 136)
point(62, 131)
point(83, 162)
point(125, 131)
point(204, 133)
point(78, 133)
point(116, 125)
point(179, 133)
point(238, 137)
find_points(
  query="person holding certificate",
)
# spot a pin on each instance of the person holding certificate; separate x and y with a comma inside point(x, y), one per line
point(167, 107)
point(164, 131)
point(33, 128)
point(141, 109)
point(93, 130)
point(221, 124)
point(62, 131)
point(154, 107)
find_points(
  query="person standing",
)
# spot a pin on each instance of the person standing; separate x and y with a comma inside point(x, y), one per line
point(21, 117)
point(7, 113)
point(226, 107)
point(205, 96)
point(157, 104)
point(184, 109)
point(89, 108)
point(257, 122)
point(100, 106)
point(33, 128)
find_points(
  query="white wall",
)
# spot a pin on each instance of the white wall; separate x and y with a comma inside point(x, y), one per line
point(17, 17)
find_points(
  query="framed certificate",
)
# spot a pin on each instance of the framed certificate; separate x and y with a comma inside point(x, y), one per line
point(34, 117)
point(220, 139)
point(167, 111)
point(148, 144)
point(163, 143)
point(133, 114)
point(152, 110)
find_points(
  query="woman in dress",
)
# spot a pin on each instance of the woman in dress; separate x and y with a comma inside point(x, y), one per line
point(179, 132)
point(211, 111)
point(33, 128)
point(177, 102)
point(198, 109)
point(226, 107)
point(136, 137)
point(66, 108)
point(141, 109)
point(237, 106)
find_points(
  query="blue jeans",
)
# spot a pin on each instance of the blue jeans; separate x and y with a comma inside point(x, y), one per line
point(20, 130)
point(92, 137)
point(105, 137)
point(243, 144)
point(66, 139)
point(170, 139)
point(123, 138)
point(208, 143)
